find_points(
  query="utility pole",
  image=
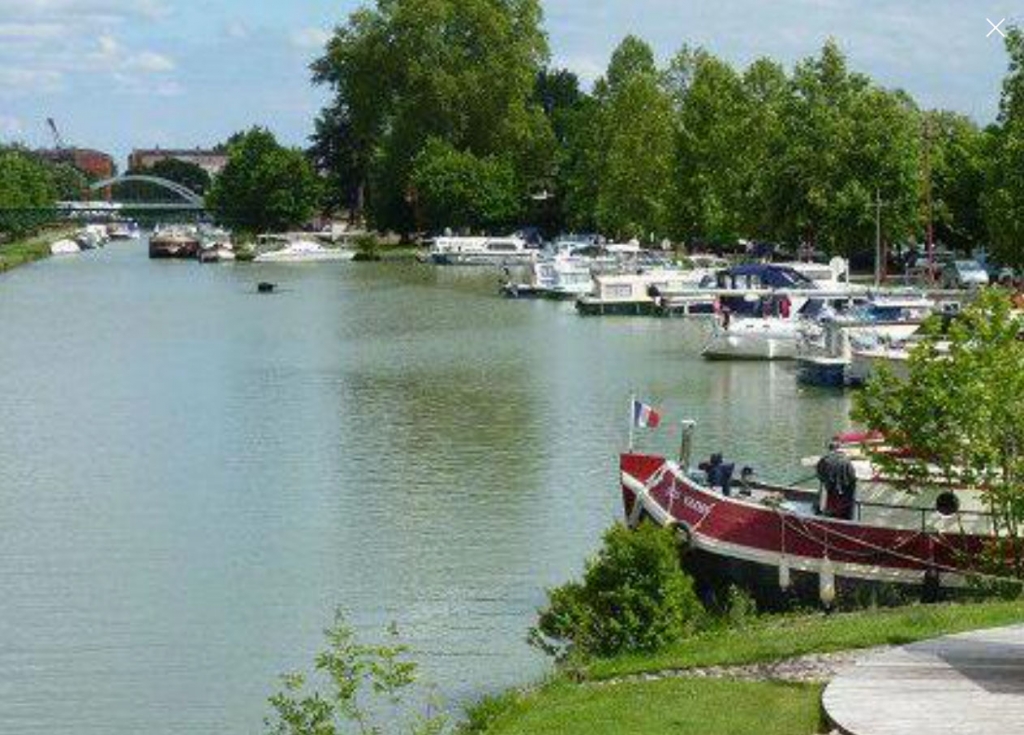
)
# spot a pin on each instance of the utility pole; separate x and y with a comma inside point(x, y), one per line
point(878, 238)
point(930, 237)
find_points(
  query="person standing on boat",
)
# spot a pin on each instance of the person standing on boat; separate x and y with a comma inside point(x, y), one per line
point(838, 482)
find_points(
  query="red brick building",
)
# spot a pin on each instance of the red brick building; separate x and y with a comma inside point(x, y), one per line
point(212, 161)
point(94, 164)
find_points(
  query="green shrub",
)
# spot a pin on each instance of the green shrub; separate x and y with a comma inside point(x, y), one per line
point(360, 680)
point(483, 713)
point(741, 608)
point(367, 248)
point(634, 597)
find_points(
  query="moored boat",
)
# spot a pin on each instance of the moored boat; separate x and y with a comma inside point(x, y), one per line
point(289, 249)
point(65, 247)
point(174, 242)
point(499, 251)
point(636, 294)
point(122, 231)
point(762, 535)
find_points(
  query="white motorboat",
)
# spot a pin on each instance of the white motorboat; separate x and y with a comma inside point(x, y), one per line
point(500, 251)
point(865, 361)
point(637, 293)
point(753, 338)
point(286, 249)
point(65, 247)
point(122, 231)
point(91, 237)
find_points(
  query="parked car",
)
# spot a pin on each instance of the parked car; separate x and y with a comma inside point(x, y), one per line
point(924, 270)
point(964, 274)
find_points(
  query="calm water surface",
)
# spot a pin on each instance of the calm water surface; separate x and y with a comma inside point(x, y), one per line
point(193, 476)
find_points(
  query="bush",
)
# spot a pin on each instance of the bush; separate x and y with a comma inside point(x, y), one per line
point(361, 681)
point(367, 248)
point(634, 597)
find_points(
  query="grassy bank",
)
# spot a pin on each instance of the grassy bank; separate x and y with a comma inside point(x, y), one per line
point(704, 706)
point(26, 250)
point(709, 706)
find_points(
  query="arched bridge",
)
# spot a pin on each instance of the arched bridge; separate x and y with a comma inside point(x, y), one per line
point(190, 200)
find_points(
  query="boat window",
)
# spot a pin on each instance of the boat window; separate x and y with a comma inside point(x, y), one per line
point(947, 504)
point(812, 309)
point(501, 246)
point(619, 291)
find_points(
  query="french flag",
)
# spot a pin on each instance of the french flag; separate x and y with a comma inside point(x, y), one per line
point(644, 416)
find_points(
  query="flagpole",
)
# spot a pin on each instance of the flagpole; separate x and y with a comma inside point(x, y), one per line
point(632, 423)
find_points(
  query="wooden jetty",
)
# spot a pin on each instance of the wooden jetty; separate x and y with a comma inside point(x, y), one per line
point(967, 684)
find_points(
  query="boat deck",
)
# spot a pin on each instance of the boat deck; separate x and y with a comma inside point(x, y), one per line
point(966, 684)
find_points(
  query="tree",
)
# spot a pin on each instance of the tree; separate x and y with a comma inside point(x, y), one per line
point(27, 190)
point(844, 140)
point(961, 412)
point(956, 151)
point(457, 189)
point(25, 181)
point(68, 181)
point(408, 71)
point(726, 124)
point(1003, 199)
point(355, 673)
point(635, 145)
point(579, 165)
point(335, 153)
point(264, 186)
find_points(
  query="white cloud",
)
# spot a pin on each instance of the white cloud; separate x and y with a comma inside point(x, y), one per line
point(30, 32)
point(307, 39)
point(88, 10)
point(15, 81)
point(110, 55)
point(132, 84)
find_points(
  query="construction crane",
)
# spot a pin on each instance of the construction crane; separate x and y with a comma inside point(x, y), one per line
point(57, 139)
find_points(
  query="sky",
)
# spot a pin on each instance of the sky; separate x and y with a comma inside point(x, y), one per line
point(121, 74)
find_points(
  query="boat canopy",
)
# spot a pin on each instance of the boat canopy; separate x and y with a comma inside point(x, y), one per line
point(763, 275)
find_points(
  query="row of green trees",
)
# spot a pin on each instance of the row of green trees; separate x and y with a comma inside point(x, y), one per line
point(29, 181)
point(30, 186)
point(444, 113)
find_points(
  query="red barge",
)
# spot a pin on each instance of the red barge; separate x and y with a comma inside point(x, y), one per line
point(767, 537)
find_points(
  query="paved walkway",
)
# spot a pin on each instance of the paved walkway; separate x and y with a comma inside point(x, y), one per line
point(967, 684)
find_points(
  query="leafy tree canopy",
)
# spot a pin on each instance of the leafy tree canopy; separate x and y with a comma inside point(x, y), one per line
point(406, 71)
point(961, 413)
point(458, 189)
point(264, 186)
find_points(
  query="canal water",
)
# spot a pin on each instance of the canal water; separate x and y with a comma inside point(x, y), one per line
point(193, 476)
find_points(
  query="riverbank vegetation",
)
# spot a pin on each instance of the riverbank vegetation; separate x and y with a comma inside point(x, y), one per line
point(28, 249)
point(447, 114)
point(659, 684)
point(652, 693)
point(264, 187)
point(29, 188)
point(958, 419)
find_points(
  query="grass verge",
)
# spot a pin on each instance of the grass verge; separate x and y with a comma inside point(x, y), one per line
point(784, 636)
point(721, 706)
point(705, 706)
point(19, 252)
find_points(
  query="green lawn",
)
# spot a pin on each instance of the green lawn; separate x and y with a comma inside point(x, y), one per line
point(704, 706)
point(785, 636)
point(711, 706)
point(19, 252)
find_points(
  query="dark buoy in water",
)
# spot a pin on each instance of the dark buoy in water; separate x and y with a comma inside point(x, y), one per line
point(266, 287)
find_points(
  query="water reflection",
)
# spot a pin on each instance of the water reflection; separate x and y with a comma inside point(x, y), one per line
point(192, 476)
